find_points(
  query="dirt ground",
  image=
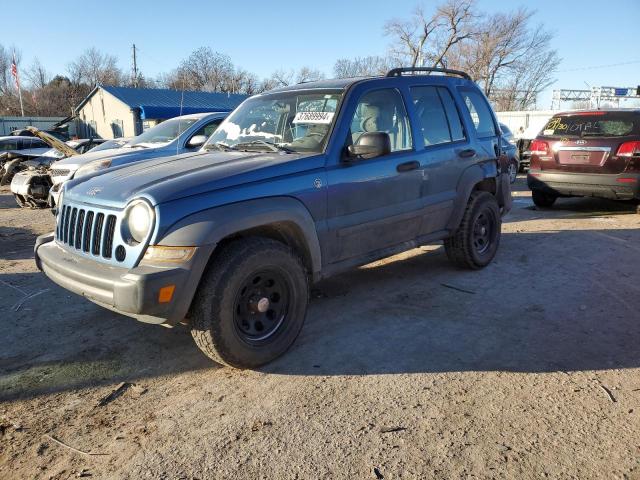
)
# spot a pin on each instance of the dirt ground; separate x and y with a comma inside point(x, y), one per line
point(526, 369)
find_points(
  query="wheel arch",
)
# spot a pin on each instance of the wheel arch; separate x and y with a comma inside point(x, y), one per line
point(481, 176)
point(284, 219)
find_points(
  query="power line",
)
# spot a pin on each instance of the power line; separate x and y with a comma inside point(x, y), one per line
point(595, 67)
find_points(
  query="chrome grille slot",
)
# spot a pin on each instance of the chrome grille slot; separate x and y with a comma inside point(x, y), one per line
point(79, 231)
point(97, 234)
point(107, 248)
point(72, 225)
point(86, 241)
point(65, 230)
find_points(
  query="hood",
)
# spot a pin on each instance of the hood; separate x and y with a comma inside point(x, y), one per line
point(113, 153)
point(170, 178)
point(53, 142)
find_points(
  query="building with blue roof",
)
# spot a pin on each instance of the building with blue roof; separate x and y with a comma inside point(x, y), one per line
point(114, 112)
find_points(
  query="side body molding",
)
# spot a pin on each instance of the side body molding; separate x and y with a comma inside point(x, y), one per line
point(212, 225)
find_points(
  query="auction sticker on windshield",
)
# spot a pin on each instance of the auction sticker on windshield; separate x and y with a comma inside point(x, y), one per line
point(313, 117)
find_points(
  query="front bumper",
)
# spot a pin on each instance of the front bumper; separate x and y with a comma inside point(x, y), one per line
point(132, 292)
point(586, 184)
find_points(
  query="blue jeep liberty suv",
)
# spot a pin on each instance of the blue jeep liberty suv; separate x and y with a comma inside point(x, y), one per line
point(297, 184)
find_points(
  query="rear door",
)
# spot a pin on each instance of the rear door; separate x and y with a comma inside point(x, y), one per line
point(586, 142)
point(443, 149)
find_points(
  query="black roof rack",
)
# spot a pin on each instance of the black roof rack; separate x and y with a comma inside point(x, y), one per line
point(397, 72)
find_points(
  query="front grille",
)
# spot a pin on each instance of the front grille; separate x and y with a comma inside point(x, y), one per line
point(57, 172)
point(87, 231)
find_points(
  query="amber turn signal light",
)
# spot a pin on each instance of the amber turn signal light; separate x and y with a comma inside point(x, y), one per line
point(166, 293)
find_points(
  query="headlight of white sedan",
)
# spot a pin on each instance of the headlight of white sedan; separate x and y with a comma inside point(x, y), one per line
point(92, 167)
point(138, 221)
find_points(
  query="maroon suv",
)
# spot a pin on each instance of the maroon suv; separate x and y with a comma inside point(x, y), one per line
point(587, 154)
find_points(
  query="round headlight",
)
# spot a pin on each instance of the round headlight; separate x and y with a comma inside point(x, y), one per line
point(139, 220)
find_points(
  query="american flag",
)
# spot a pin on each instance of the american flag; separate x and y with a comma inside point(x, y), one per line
point(14, 71)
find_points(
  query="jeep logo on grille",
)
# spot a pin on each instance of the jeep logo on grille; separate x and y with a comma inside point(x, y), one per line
point(94, 191)
point(580, 142)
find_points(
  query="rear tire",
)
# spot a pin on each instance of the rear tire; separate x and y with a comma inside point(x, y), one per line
point(475, 243)
point(251, 303)
point(542, 199)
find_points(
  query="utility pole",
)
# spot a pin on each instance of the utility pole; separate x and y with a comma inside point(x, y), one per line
point(134, 68)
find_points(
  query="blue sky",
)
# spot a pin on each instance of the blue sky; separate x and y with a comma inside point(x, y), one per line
point(263, 36)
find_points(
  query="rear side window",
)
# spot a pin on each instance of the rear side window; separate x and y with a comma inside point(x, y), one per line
point(480, 113)
point(439, 119)
point(593, 124)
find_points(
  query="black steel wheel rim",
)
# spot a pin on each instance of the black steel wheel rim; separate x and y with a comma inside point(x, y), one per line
point(261, 306)
point(483, 232)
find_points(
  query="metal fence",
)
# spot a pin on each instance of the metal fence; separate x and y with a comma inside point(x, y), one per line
point(9, 124)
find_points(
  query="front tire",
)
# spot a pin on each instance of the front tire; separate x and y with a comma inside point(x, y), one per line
point(475, 243)
point(251, 304)
point(542, 199)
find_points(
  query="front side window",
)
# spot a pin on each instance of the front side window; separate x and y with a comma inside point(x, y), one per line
point(9, 145)
point(208, 129)
point(439, 119)
point(382, 111)
point(291, 121)
point(480, 113)
point(163, 133)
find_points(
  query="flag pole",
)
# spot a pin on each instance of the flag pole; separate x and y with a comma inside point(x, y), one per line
point(14, 72)
point(20, 97)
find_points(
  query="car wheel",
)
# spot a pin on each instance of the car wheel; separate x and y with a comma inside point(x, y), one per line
point(251, 303)
point(475, 243)
point(542, 199)
point(20, 201)
point(513, 171)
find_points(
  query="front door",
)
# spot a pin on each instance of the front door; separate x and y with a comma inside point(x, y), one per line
point(375, 203)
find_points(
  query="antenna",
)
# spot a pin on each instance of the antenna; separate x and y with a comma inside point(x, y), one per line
point(134, 67)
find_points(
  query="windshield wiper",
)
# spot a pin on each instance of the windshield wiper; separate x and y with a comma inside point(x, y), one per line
point(219, 146)
point(138, 146)
point(257, 143)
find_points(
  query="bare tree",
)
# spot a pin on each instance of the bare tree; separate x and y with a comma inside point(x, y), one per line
point(95, 68)
point(362, 66)
point(510, 60)
point(308, 74)
point(37, 75)
point(425, 40)
point(283, 78)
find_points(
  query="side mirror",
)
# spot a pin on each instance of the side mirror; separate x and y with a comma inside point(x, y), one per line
point(197, 141)
point(371, 145)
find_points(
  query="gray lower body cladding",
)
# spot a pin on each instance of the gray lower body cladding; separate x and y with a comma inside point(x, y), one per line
point(131, 292)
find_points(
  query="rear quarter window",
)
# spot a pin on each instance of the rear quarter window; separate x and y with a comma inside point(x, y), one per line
point(480, 112)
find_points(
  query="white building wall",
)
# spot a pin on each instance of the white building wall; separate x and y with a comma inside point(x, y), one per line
point(102, 111)
point(530, 122)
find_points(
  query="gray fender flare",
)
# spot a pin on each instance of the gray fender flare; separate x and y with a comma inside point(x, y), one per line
point(468, 180)
point(209, 226)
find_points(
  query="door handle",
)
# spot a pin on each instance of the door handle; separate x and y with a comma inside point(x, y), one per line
point(466, 153)
point(407, 166)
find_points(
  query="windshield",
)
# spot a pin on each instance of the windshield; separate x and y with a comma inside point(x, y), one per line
point(596, 124)
point(288, 121)
point(165, 132)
